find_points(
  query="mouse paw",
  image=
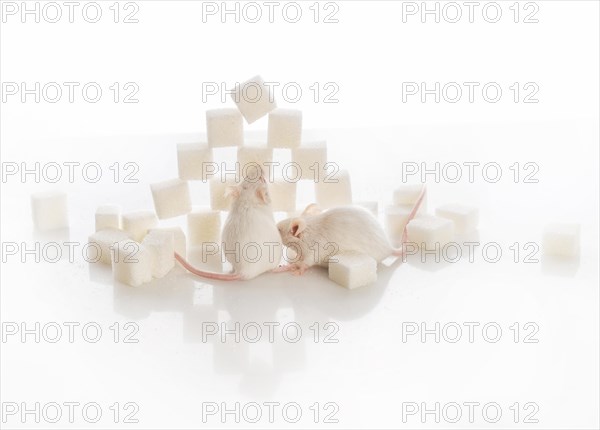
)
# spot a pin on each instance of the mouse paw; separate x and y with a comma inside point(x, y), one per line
point(284, 268)
point(300, 269)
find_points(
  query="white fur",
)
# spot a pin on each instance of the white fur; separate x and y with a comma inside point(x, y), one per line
point(338, 230)
point(250, 226)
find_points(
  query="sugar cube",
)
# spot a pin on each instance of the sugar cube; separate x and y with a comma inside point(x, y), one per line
point(285, 128)
point(427, 231)
point(224, 127)
point(465, 217)
point(249, 155)
point(219, 201)
point(179, 237)
point(353, 270)
point(161, 245)
point(408, 195)
point(138, 223)
point(372, 207)
point(132, 263)
point(204, 225)
point(311, 158)
point(108, 216)
point(195, 161)
point(101, 243)
point(561, 240)
point(171, 198)
point(254, 99)
point(49, 210)
point(283, 195)
point(396, 218)
point(334, 191)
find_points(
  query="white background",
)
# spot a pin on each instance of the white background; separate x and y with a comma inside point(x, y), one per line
point(370, 372)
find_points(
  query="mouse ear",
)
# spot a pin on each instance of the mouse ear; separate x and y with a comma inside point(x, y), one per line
point(263, 195)
point(297, 226)
point(312, 209)
point(232, 191)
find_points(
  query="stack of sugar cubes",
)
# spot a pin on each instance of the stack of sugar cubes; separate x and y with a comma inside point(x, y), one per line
point(136, 237)
point(426, 231)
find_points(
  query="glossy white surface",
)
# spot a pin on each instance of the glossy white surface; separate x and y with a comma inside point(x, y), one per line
point(370, 372)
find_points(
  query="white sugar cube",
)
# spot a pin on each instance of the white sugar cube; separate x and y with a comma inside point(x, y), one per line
point(334, 191)
point(204, 226)
point(372, 207)
point(283, 195)
point(195, 161)
point(161, 245)
point(254, 99)
point(171, 198)
point(408, 195)
point(250, 155)
point(179, 237)
point(224, 127)
point(561, 240)
point(353, 270)
point(101, 242)
point(108, 216)
point(219, 200)
point(465, 217)
point(396, 218)
point(311, 158)
point(285, 128)
point(138, 223)
point(49, 210)
point(132, 263)
point(430, 230)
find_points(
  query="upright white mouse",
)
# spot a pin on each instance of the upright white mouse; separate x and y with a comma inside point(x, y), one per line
point(250, 240)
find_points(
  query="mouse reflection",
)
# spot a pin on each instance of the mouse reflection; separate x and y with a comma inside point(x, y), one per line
point(259, 329)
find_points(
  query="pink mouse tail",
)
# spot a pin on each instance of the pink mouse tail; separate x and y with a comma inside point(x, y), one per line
point(400, 251)
point(205, 274)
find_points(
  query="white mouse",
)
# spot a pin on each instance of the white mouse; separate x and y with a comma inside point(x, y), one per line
point(316, 236)
point(250, 239)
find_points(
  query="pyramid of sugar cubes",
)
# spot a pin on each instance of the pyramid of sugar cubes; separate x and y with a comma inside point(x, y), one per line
point(136, 237)
point(139, 249)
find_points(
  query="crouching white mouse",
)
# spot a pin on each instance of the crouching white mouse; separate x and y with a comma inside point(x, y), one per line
point(317, 236)
point(250, 239)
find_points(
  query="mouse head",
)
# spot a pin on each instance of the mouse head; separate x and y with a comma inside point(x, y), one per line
point(252, 190)
point(291, 229)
